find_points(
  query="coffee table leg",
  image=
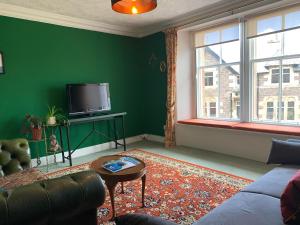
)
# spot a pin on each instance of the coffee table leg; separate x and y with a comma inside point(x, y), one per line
point(143, 190)
point(122, 191)
point(111, 188)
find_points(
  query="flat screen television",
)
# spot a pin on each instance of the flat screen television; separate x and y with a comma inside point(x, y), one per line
point(88, 98)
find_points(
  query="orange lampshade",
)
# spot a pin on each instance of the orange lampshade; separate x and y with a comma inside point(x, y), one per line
point(133, 6)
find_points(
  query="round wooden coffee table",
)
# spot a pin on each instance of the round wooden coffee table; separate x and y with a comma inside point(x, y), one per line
point(112, 179)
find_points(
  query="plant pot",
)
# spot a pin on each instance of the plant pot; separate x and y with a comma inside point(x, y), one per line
point(36, 134)
point(51, 120)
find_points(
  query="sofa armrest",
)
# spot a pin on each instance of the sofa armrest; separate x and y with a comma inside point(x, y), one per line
point(53, 200)
point(139, 219)
point(294, 140)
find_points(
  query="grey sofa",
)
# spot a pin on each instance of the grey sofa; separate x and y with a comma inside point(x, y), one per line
point(257, 204)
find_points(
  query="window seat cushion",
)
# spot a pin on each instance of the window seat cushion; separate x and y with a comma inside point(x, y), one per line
point(255, 127)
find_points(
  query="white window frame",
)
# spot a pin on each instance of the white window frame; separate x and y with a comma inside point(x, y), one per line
point(246, 79)
point(216, 79)
point(281, 67)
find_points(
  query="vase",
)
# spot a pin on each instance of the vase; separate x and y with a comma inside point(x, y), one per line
point(36, 133)
point(51, 120)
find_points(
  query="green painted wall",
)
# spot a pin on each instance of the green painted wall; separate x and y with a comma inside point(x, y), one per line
point(41, 58)
point(155, 83)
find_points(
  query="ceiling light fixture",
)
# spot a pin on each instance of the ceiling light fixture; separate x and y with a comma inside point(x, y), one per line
point(133, 6)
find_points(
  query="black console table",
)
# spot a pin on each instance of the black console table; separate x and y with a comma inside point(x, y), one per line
point(93, 120)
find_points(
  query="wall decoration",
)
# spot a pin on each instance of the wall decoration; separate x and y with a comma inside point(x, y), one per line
point(152, 58)
point(1, 64)
point(162, 65)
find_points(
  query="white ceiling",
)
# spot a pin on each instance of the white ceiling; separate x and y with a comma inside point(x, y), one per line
point(100, 11)
point(97, 14)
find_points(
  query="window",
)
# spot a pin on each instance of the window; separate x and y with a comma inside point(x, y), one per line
point(238, 108)
point(291, 111)
point(212, 109)
point(270, 110)
point(280, 111)
point(271, 86)
point(272, 57)
point(209, 79)
point(275, 76)
point(218, 67)
point(286, 75)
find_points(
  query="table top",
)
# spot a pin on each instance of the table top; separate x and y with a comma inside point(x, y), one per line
point(123, 175)
point(94, 118)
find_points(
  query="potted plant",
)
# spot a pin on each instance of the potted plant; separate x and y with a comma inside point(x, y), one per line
point(35, 124)
point(53, 115)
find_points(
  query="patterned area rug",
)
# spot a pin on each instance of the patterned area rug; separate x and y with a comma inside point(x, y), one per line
point(175, 190)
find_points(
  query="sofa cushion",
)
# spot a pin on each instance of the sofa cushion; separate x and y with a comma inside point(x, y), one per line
point(274, 182)
point(245, 209)
point(290, 201)
point(284, 152)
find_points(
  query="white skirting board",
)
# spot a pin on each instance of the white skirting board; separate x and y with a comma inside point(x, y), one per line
point(98, 148)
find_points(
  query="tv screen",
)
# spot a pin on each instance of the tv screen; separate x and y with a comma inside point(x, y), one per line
point(88, 98)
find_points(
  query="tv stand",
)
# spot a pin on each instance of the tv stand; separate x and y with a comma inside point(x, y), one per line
point(94, 120)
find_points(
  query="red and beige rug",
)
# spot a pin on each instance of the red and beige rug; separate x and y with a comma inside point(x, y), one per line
point(175, 190)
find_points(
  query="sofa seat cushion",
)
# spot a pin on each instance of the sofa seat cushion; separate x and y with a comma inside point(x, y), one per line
point(21, 178)
point(274, 182)
point(245, 209)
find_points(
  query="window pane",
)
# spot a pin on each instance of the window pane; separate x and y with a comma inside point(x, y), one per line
point(230, 34)
point(229, 92)
point(269, 25)
point(265, 93)
point(292, 20)
point(291, 111)
point(291, 90)
point(275, 76)
point(208, 94)
point(212, 38)
point(286, 76)
point(270, 111)
point(212, 109)
point(231, 52)
point(211, 60)
point(209, 78)
point(208, 56)
point(266, 46)
point(280, 111)
point(291, 42)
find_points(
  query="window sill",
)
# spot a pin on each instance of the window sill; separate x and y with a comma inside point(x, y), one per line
point(255, 127)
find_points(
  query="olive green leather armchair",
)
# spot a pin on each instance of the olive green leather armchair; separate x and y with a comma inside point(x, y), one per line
point(14, 156)
point(68, 200)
